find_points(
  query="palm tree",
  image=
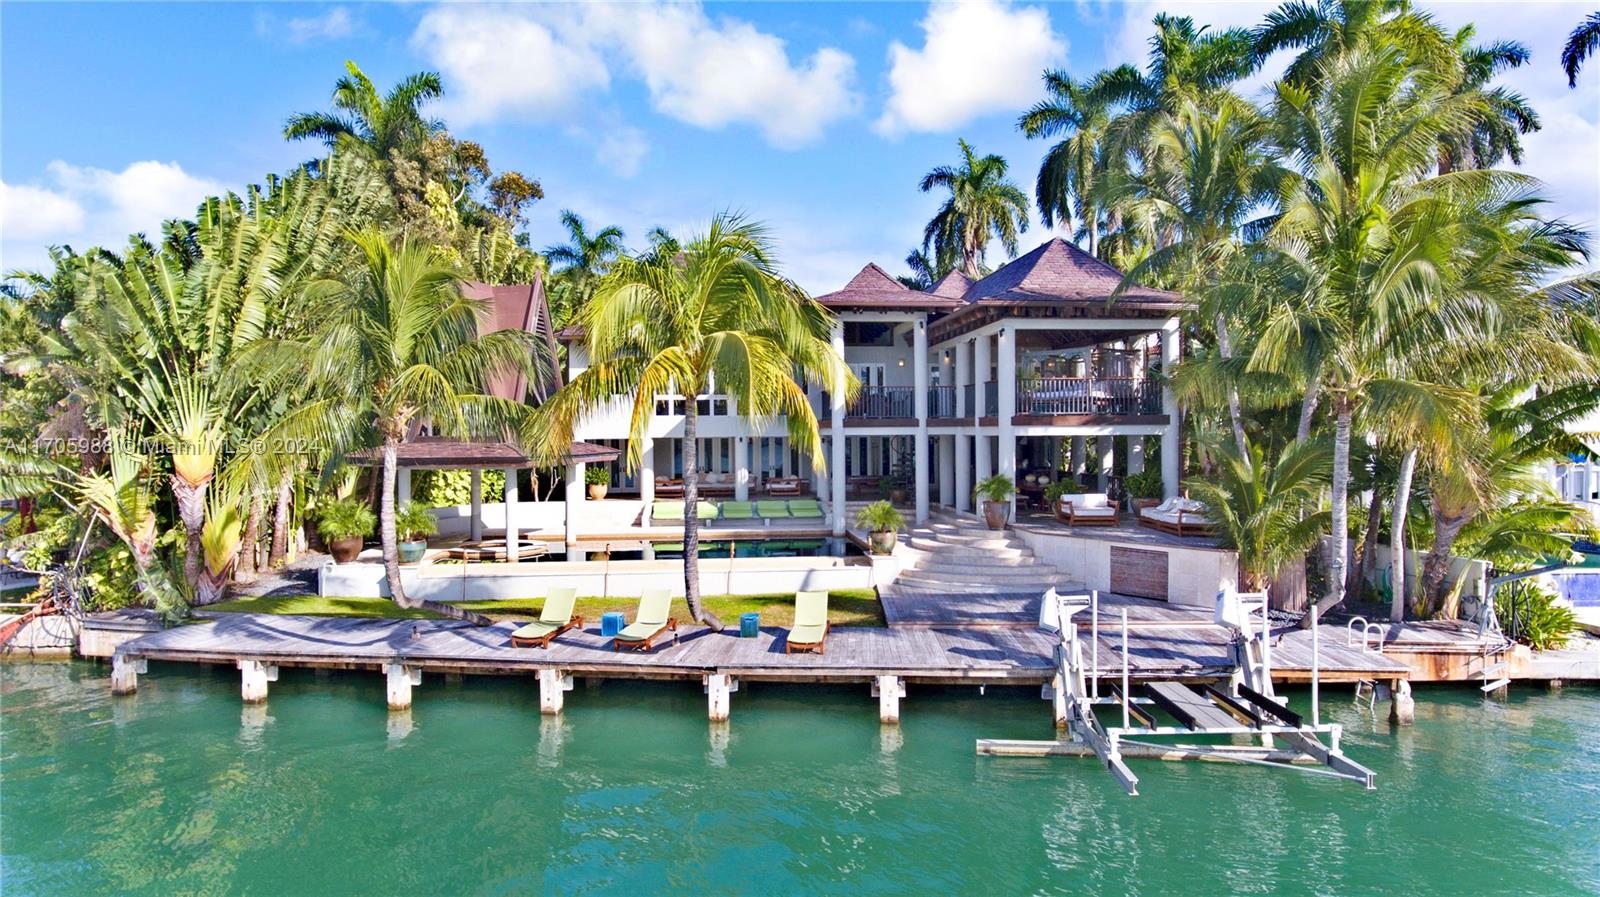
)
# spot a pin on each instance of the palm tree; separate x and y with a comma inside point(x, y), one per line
point(983, 205)
point(580, 262)
point(925, 270)
point(1493, 133)
point(378, 126)
point(1584, 40)
point(1079, 115)
point(715, 313)
point(1328, 31)
point(403, 341)
point(1260, 507)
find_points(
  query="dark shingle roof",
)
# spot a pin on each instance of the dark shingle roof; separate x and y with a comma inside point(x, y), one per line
point(872, 287)
point(952, 286)
point(1059, 272)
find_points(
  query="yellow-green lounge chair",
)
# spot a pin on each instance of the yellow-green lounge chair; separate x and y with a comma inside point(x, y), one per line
point(738, 510)
point(555, 618)
point(772, 510)
point(666, 512)
point(810, 629)
point(706, 510)
point(652, 620)
point(805, 509)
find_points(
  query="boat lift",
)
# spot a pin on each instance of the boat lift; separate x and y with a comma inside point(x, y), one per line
point(1245, 705)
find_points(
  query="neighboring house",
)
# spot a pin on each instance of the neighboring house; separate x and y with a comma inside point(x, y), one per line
point(957, 383)
point(1577, 479)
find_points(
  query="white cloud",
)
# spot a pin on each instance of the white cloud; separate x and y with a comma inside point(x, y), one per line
point(622, 149)
point(976, 58)
point(88, 206)
point(535, 61)
point(335, 24)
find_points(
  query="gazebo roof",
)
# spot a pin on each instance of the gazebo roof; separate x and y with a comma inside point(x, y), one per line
point(436, 453)
point(872, 287)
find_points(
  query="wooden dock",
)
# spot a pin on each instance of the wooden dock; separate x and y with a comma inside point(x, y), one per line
point(1160, 648)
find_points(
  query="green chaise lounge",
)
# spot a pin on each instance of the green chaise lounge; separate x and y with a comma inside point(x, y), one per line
point(666, 512)
point(805, 509)
point(772, 510)
point(810, 629)
point(653, 618)
point(554, 618)
point(738, 510)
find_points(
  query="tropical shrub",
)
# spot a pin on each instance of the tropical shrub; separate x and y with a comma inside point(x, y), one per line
point(997, 488)
point(346, 517)
point(880, 517)
point(1146, 483)
point(1529, 614)
point(1054, 491)
point(414, 522)
point(448, 488)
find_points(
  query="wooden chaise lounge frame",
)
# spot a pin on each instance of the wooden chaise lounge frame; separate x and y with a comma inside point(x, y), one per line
point(1178, 528)
point(1071, 518)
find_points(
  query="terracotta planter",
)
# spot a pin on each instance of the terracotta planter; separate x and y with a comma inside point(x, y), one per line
point(411, 552)
point(597, 491)
point(897, 496)
point(882, 542)
point(995, 513)
point(345, 550)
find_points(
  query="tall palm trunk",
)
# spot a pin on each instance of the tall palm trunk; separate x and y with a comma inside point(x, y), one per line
point(1235, 411)
point(691, 518)
point(1339, 541)
point(245, 570)
point(1369, 550)
point(1308, 408)
point(391, 545)
point(278, 554)
point(1397, 535)
point(969, 258)
point(1437, 598)
point(191, 498)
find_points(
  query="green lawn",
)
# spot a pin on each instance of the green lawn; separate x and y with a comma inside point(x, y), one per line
point(846, 607)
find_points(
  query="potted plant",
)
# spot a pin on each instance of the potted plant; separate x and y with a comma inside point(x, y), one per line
point(996, 493)
point(892, 489)
point(881, 521)
point(1053, 493)
point(1144, 489)
point(414, 523)
point(598, 478)
point(344, 524)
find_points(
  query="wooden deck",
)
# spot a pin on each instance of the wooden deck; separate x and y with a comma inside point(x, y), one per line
point(931, 654)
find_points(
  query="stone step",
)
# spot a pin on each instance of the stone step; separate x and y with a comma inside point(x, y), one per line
point(972, 540)
point(947, 549)
point(993, 575)
point(967, 588)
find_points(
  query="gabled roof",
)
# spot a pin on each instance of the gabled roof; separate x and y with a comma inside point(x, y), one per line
point(952, 286)
point(519, 306)
point(1058, 271)
point(872, 287)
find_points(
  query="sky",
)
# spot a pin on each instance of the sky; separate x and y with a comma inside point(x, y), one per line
point(817, 119)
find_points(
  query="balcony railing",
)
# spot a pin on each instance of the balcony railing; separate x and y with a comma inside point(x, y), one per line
point(941, 402)
point(1087, 395)
point(884, 402)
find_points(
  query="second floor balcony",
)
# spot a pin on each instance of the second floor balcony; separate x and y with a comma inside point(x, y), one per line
point(1036, 397)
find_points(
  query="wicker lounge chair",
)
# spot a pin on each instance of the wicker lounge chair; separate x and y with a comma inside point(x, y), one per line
point(650, 622)
point(810, 629)
point(554, 618)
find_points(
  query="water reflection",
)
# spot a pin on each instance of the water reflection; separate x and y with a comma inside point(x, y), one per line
point(399, 725)
point(721, 734)
point(553, 731)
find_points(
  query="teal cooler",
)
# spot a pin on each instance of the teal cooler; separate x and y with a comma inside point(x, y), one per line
point(749, 625)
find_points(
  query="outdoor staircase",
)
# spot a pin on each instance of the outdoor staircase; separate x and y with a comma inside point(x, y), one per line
point(959, 555)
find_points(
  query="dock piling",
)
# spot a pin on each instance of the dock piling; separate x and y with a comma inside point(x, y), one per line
point(888, 690)
point(1402, 709)
point(553, 687)
point(125, 670)
point(719, 689)
point(399, 679)
point(253, 678)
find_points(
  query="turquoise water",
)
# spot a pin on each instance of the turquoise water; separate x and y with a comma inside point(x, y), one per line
point(182, 790)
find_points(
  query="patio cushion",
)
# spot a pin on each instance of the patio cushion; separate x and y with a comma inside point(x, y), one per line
point(536, 629)
point(558, 605)
point(1085, 501)
point(1195, 517)
point(806, 635)
point(706, 510)
point(807, 508)
point(667, 510)
point(738, 510)
point(772, 509)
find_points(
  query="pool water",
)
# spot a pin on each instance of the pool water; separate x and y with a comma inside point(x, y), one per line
point(182, 790)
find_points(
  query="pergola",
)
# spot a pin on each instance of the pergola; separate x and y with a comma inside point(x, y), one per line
point(436, 453)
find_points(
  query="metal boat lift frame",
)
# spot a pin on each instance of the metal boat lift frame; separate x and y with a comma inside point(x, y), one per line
point(1249, 699)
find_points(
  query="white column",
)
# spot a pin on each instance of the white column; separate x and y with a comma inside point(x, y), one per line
point(836, 462)
point(888, 690)
point(125, 672)
point(253, 678)
point(919, 383)
point(475, 522)
point(980, 363)
point(511, 501)
point(1007, 377)
point(947, 471)
point(402, 485)
point(647, 471)
point(963, 495)
point(398, 680)
point(1170, 350)
point(573, 507)
point(741, 468)
point(1135, 454)
point(1107, 460)
point(1080, 454)
point(719, 689)
point(553, 687)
